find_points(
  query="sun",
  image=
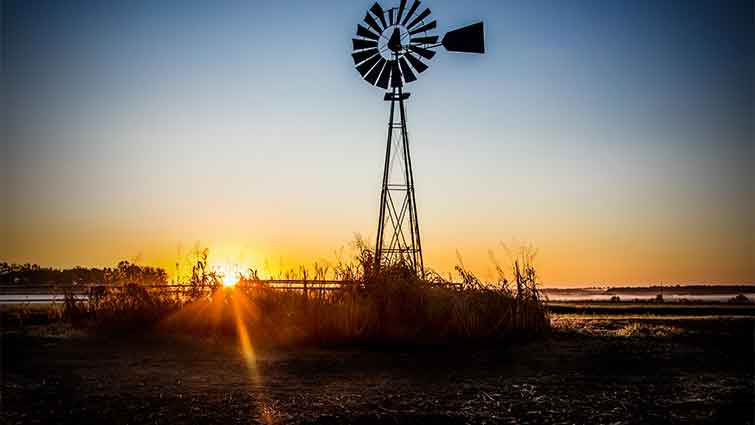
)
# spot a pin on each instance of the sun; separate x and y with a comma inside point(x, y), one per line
point(229, 280)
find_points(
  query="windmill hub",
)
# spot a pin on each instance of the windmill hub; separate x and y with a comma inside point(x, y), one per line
point(391, 49)
point(394, 43)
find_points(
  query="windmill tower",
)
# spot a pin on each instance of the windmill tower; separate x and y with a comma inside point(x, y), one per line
point(390, 50)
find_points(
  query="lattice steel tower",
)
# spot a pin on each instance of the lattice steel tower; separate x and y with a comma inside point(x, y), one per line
point(391, 47)
point(400, 240)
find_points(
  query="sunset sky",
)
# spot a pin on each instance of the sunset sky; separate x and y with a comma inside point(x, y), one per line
point(615, 137)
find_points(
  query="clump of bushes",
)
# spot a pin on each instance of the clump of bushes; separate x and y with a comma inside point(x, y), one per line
point(389, 305)
point(739, 299)
point(125, 307)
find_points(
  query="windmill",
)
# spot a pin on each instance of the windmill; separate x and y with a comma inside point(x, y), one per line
point(390, 50)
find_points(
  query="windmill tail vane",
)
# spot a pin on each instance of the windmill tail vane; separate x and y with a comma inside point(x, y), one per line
point(392, 47)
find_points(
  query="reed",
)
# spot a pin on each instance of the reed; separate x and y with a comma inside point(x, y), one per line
point(390, 305)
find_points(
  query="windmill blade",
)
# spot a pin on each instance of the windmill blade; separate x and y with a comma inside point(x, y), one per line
point(363, 44)
point(363, 55)
point(390, 16)
point(396, 75)
point(425, 13)
point(367, 65)
point(364, 32)
point(469, 39)
point(407, 71)
point(425, 53)
point(385, 76)
point(423, 28)
point(425, 40)
point(401, 8)
point(411, 12)
point(369, 20)
point(373, 75)
point(416, 63)
point(378, 11)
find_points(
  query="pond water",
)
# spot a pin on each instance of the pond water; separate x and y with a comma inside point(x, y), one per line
point(35, 298)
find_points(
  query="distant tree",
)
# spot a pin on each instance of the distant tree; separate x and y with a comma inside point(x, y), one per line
point(740, 299)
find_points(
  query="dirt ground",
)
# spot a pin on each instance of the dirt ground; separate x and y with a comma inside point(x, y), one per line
point(586, 371)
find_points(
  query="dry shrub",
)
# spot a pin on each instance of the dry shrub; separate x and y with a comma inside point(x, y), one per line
point(390, 305)
point(130, 307)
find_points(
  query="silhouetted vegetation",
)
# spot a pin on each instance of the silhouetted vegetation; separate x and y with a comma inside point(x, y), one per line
point(679, 289)
point(387, 305)
point(124, 273)
point(740, 299)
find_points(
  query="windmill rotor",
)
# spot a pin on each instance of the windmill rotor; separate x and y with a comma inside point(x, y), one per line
point(393, 46)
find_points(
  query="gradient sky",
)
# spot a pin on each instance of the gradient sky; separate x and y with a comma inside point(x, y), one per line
point(615, 137)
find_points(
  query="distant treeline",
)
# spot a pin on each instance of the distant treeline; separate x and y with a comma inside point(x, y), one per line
point(657, 289)
point(685, 289)
point(124, 273)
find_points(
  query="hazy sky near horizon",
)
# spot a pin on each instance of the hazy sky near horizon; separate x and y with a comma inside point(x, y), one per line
point(615, 137)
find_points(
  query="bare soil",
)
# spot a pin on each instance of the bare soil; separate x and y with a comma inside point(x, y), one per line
point(586, 371)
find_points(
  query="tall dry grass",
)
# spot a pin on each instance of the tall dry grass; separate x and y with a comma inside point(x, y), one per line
point(391, 305)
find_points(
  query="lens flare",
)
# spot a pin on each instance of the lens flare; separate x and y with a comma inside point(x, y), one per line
point(241, 305)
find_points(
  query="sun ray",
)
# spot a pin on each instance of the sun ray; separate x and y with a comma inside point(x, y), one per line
point(240, 307)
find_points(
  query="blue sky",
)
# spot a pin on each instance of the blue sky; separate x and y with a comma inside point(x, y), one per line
point(617, 137)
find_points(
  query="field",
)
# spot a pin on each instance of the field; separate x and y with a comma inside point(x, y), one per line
point(615, 367)
point(649, 310)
